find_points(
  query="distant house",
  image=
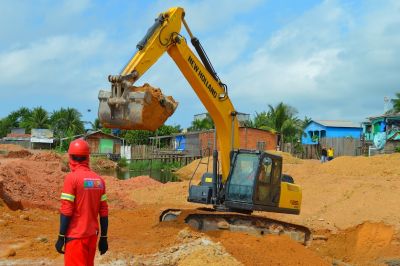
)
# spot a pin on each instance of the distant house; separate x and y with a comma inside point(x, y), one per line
point(41, 138)
point(383, 131)
point(319, 129)
point(102, 143)
point(201, 143)
point(343, 136)
point(249, 138)
point(18, 136)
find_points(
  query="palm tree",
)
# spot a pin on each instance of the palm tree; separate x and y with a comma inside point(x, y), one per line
point(202, 124)
point(281, 118)
point(66, 121)
point(396, 103)
point(39, 118)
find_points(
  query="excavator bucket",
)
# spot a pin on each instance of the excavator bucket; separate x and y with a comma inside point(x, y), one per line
point(131, 107)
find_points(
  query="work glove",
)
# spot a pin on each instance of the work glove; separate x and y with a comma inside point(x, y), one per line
point(103, 245)
point(60, 244)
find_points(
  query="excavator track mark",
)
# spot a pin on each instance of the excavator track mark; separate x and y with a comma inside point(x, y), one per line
point(255, 225)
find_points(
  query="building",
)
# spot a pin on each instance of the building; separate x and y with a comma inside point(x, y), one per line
point(41, 138)
point(201, 143)
point(249, 138)
point(102, 143)
point(383, 132)
point(320, 129)
point(343, 136)
point(18, 137)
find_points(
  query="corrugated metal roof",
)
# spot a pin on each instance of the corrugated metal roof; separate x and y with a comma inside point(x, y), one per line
point(337, 123)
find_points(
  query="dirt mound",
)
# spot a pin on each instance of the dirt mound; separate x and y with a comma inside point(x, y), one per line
point(363, 244)
point(11, 147)
point(186, 172)
point(100, 164)
point(119, 191)
point(19, 154)
point(31, 184)
point(380, 165)
point(287, 157)
point(358, 188)
point(46, 157)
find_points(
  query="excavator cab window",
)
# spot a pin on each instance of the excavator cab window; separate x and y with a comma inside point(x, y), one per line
point(242, 177)
point(268, 182)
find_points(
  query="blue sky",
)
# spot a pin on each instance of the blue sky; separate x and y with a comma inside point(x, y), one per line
point(329, 59)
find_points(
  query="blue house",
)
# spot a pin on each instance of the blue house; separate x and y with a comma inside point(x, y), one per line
point(318, 129)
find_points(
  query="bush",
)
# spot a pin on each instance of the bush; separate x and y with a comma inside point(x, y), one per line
point(397, 149)
point(122, 163)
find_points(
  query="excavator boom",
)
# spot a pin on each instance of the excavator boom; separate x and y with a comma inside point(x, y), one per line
point(123, 107)
point(247, 180)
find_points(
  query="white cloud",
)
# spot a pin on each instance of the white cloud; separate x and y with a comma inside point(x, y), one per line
point(328, 63)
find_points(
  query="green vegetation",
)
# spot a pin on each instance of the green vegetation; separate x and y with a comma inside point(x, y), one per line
point(152, 164)
point(141, 137)
point(396, 104)
point(202, 124)
point(122, 163)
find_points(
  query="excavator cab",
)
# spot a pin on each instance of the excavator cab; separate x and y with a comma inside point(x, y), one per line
point(255, 182)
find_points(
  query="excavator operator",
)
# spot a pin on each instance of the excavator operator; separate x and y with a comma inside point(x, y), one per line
point(83, 200)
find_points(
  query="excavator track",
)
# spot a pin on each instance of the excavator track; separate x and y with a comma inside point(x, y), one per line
point(210, 220)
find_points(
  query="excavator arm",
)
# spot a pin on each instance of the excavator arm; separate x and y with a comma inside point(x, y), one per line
point(162, 37)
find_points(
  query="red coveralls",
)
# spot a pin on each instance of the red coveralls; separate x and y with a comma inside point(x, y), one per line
point(83, 198)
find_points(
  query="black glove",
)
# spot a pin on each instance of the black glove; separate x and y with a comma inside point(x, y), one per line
point(103, 245)
point(60, 244)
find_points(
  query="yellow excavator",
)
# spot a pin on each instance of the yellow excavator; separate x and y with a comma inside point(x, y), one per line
point(242, 181)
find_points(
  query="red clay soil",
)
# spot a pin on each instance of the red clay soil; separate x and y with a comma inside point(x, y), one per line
point(10, 147)
point(337, 197)
point(19, 154)
point(365, 244)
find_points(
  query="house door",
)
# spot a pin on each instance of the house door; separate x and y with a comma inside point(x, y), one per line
point(106, 146)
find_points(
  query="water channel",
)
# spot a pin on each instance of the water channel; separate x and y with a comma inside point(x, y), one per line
point(162, 175)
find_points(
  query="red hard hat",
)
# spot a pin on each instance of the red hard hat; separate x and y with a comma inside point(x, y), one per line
point(79, 147)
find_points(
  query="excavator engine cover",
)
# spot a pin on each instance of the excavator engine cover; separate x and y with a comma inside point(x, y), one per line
point(131, 107)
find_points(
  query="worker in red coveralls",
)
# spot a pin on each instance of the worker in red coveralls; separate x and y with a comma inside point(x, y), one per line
point(83, 200)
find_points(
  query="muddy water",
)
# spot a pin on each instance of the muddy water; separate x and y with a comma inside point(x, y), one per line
point(161, 175)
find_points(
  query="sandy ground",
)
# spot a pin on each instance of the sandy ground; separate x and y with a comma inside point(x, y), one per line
point(349, 203)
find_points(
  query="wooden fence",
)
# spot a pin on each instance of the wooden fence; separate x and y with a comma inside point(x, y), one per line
point(146, 152)
point(341, 147)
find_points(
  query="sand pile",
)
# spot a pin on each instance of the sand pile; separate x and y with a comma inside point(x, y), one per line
point(287, 158)
point(100, 164)
point(46, 156)
point(186, 172)
point(37, 180)
point(25, 183)
point(11, 147)
point(119, 191)
point(347, 191)
point(364, 244)
point(19, 154)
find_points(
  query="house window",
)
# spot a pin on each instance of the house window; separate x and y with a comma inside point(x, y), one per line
point(261, 145)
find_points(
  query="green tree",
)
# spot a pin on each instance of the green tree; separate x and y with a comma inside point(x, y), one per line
point(39, 118)
point(396, 104)
point(67, 120)
point(142, 137)
point(280, 118)
point(202, 124)
point(138, 137)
